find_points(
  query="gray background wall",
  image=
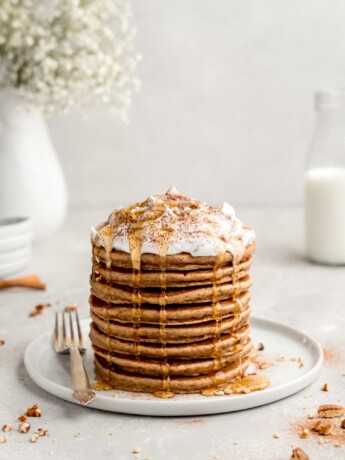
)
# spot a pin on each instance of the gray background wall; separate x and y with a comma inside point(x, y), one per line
point(226, 108)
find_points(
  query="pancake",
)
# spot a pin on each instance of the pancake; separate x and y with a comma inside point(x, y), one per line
point(172, 334)
point(140, 365)
point(177, 384)
point(124, 276)
point(124, 294)
point(202, 349)
point(182, 261)
point(174, 314)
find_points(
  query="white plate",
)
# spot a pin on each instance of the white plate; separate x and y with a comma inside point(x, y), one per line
point(51, 372)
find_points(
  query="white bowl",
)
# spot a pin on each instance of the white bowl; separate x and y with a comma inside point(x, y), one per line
point(16, 241)
point(15, 255)
point(14, 265)
point(15, 226)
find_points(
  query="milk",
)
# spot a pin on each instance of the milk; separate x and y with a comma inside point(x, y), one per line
point(325, 214)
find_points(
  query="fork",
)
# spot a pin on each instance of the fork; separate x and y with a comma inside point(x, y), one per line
point(66, 343)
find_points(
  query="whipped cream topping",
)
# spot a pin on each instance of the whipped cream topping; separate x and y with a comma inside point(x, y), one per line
point(173, 224)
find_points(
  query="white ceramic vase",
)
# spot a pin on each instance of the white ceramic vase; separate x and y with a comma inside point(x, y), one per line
point(32, 183)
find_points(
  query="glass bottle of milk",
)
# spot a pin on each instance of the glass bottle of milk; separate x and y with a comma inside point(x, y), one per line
point(325, 181)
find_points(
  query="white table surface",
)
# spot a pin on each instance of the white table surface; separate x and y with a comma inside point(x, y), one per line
point(287, 288)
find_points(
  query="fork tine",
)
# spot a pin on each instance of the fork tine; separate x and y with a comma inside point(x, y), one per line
point(64, 331)
point(73, 341)
point(57, 343)
point(80, 335)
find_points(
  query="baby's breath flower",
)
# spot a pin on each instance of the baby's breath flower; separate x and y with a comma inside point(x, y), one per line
point(65, 53)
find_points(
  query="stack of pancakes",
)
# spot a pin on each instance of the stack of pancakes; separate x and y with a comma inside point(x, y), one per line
point(163, 323)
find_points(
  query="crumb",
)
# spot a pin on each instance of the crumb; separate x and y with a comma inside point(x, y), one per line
point(33, 411)
point(263, 366)
point(300, 362)
point(71, 307)
point(325, 387)
point(136, 450)
point(261, 346)
point(39, 309)
point(2, 439)
point(219, 393)
point(7, 427)
point(281, 358)
point(22, 418)
point(311, 416)
point(337, 444)
point(277, 435)
point(304, 434)
point(2, 342)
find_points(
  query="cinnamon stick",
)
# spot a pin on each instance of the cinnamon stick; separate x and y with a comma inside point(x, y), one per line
point(31, 282)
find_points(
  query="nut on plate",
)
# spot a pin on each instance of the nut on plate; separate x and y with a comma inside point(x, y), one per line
point(299, 454)
point(2, 439)
point(261, 346)
point(325, 387)
point(7, 427)
point(41, 431)
point(330, 411)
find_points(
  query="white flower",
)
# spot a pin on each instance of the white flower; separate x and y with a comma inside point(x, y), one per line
point(65, 53)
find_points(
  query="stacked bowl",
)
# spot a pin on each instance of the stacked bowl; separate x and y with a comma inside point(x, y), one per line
point(15, 244)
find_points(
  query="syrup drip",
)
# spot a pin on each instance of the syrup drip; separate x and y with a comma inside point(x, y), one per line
point(217, 312)
point(135, 244)
point(163, 249)
point(237, 256)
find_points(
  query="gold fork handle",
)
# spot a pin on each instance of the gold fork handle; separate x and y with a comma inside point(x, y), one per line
point(82, 391)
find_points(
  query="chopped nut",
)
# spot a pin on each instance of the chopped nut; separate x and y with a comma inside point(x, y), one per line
point(41, 431)
point(7, 427)
point(304, 434)
point(330, 411)
point(343, 423)
point(325, 387)
point(263, 366)
point(311, 416)
point(299, 454)
point(34, 438)
point(228, 391)
point(136, 450)
point(337, 444)
point(219, 393)
point(22, 418)
point(39, 309)
point(322, 427)
point(2, 439)
point(300, 362)
point(2, 342)
point(33, 411)
point(277, 435)
point(71, 307)
point(24, 427)
point(261, 346)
